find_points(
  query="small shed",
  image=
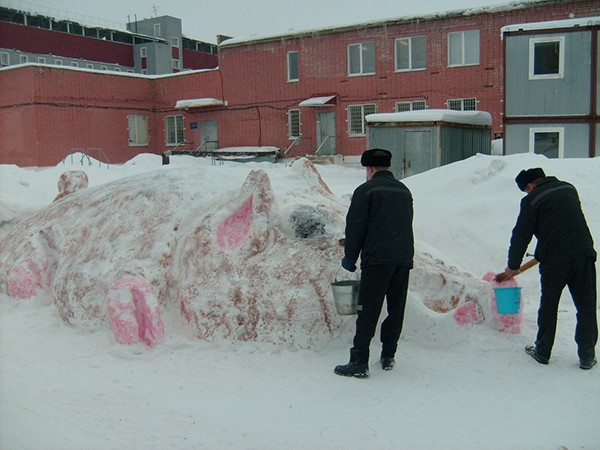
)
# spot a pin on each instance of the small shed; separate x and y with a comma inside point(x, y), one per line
point(422, 140)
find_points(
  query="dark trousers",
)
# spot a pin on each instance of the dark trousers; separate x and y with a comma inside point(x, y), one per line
point(376, 283)
point(580, 276)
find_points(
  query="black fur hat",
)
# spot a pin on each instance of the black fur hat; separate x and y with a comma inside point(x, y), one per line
point(376, 157)
point(527, 176)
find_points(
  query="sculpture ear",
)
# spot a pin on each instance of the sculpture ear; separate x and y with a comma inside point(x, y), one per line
point(249, 210)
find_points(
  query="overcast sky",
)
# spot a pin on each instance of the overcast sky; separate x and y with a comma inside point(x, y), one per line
point(205, 19)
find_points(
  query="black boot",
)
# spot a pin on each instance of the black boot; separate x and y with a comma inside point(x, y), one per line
point(532, 351)
point(387, 362)
point(587, 359)
point(357, 367)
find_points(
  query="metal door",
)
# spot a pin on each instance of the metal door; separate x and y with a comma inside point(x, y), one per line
point(326, 133)
point(209, 139)
point(418, 152)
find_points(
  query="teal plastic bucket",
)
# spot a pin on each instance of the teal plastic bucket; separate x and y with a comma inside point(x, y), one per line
point(508, 300)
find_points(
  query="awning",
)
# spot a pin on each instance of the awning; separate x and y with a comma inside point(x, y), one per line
point(198, 103)
point(318, 101)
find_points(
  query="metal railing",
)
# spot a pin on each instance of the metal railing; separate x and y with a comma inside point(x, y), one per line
point(85, 155)
point(291, 145)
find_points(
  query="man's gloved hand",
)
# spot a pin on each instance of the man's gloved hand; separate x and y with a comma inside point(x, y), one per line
point(349, 264)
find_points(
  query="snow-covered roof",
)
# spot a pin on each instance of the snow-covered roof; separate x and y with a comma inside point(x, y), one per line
point(198, 103)
point(317, 101)
point(552, 24)
point(507, 6)
point(434, 115)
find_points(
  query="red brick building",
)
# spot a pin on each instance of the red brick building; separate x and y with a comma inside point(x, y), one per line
point(301, 92)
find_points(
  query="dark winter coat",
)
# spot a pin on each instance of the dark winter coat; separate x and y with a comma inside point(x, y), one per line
point(552, 213)
point(379, 222)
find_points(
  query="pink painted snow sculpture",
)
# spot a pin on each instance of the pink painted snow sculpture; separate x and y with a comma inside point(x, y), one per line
point(71, 181)
point(238, 264)
point(134, 313)
point(507, 323)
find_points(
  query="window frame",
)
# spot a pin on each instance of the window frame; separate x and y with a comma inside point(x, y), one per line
point(464, 48)
point(174, 41)
point(156, 29)
point(143, 52)
point(462, 103)
point(561, 57)
point(175, 64)
point(294, 122)
point(539, 130)
point(179, 132)
point(41, 60)
point(351, 123)
point(4, 59)
point(410, 54)
point(139, 131)
point(290, 77)
point(361, 62)
point(411, 105)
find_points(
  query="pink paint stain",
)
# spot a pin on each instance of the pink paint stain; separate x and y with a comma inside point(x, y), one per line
point(28, 277)
point(134, 313)
point(232, 231)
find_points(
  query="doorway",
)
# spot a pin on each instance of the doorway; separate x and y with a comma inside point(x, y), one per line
point(326, 133)
point(209, 139)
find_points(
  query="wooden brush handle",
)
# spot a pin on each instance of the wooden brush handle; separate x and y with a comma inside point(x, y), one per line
point(528, 265)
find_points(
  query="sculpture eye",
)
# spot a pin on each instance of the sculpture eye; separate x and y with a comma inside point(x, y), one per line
point(307, 222)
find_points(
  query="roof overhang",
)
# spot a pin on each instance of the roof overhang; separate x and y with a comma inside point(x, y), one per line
point(198, 103)
point(328, 100)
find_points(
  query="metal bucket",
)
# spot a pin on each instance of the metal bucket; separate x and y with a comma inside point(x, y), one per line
point(345, 294)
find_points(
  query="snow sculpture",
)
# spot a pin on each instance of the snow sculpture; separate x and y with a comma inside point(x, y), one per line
point(246, 264)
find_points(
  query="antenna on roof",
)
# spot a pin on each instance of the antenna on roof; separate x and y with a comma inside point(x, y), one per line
point(155, 9)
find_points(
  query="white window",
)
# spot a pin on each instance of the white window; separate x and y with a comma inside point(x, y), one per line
point(292, 66)
point(157, 29)
point(89, 66)
point(4, 59)
point(23, 59)
point(174, 132)
point(463, 104)
point(174, 41)
point(546, 58)
point(42, 60)
point(411, 53)
point(361, 58)
point(103, 67)
point(58, 62)
point(463, 48)
point(416, 105)
point(117, 69)
point(175, 64)
point(357, 125)
point(137, 125)
point(144, 71)
point(74, 64)
point(547, 141)
point(293, 123)
point(143, 52)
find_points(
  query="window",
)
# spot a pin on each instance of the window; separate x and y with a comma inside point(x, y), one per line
point(293, 123)
point(58, 62)
point(23, 59)
point(463, 48)
point(411, 106)
point(411, 53)
point(143, 52)
point(292, 66)
point(546, 58)
point(547, 141)
point(357, 125)
point(74, 64)
point(42, 60)
point(175, 64)
point(144, 71)
point(89, 66)
point(463, 104)
point(103, 67)
point(174, 130)
point(174, 41)
point(4, 59)
point(137, 125)
point(361, 58)
point(157, 29)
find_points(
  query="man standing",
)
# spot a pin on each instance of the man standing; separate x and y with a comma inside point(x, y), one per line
point(379, 229)
point(551, 211)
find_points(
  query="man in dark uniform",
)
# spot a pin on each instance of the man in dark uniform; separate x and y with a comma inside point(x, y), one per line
point(551, 211)
point(379, 229)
